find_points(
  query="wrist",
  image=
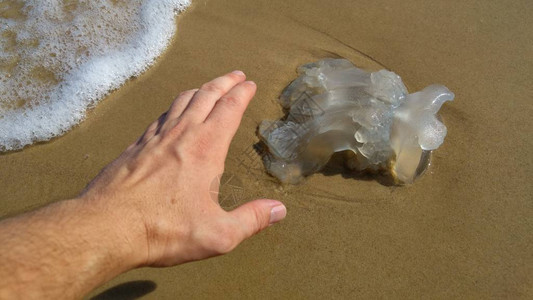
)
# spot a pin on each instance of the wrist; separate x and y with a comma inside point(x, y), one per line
point(119, 229)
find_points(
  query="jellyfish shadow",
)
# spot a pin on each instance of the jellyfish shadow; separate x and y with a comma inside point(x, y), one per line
point(337, 166)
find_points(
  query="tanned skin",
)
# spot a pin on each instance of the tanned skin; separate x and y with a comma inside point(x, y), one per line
point(152, 206)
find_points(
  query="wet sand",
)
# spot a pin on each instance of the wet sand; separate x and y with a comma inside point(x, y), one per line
point(462, 231)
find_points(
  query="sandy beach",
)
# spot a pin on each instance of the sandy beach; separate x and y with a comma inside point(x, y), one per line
point(463, 230)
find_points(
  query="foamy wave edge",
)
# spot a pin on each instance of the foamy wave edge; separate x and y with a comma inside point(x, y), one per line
point(72, 98)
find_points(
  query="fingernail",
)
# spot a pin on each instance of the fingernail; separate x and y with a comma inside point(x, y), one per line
point(250, 82)
point(277, 213)
point(237, 72)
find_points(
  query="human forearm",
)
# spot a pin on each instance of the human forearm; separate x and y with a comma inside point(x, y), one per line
point(153, 206)
point(63, 250)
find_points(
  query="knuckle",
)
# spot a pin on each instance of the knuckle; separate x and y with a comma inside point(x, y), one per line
point(234, 76)
point(222, 240)
point(179, 154)
point(191, 144)
point(231, 101)
point(212, 88)
point(176, 130)
point(261, 220)
point(177, 101)
point(226, 245)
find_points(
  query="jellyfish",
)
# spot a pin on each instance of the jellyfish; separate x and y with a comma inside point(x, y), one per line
point(333, 106)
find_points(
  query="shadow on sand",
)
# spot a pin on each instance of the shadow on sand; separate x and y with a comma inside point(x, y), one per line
point(127, 291)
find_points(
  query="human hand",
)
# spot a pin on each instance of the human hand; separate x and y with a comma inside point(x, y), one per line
point(157, 193)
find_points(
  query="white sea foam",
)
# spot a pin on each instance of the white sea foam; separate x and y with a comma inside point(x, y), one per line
point(58, 58)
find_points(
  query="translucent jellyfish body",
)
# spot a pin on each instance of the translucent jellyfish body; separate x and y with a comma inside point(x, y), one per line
point(334, 106)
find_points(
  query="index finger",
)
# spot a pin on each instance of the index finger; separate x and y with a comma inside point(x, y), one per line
point(205, 98)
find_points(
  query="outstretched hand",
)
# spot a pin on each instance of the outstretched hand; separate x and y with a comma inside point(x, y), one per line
point(160, 186)
point(152, 206)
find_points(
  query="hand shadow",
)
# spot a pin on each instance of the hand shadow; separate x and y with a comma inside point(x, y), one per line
point(128, 290)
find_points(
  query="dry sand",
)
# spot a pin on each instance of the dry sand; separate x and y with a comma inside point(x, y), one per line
point(464, 230)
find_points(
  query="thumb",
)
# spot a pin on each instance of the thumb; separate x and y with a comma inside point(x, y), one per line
point(257, 215)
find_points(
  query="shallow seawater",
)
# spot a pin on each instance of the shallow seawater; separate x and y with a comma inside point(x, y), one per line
point(58, 58)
